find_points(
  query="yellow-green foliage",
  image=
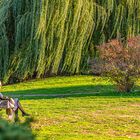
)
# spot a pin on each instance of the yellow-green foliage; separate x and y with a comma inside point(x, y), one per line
point(39, 37)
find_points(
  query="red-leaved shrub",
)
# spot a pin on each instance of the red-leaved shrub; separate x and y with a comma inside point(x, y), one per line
point(120, 61)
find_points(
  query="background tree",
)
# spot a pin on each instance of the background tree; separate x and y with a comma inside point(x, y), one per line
point(45, 37)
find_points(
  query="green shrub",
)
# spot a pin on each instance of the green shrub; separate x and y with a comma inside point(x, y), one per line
point(11, 131)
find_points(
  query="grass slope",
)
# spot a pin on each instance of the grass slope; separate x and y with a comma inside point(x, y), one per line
point(102, 116)
point(65, 85)
point(58, 85)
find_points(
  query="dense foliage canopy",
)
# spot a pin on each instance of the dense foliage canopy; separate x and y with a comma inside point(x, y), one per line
point(45, 37)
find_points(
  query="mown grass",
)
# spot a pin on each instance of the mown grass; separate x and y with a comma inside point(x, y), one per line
point(99, 113)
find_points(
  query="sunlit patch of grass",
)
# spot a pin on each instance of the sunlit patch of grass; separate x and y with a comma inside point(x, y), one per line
point(85, 118)
point(80, 117)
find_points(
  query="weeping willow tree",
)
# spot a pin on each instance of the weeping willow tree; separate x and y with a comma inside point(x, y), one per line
point(45, 37)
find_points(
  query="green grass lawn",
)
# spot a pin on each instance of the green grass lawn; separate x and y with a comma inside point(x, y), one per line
point(97, 113)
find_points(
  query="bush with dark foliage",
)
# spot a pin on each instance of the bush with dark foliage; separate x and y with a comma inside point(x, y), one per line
point(13, 131)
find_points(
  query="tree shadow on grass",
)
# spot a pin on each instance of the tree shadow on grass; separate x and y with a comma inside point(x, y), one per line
point(73, 91)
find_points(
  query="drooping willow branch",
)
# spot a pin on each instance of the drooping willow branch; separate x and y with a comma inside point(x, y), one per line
point(41, 37)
